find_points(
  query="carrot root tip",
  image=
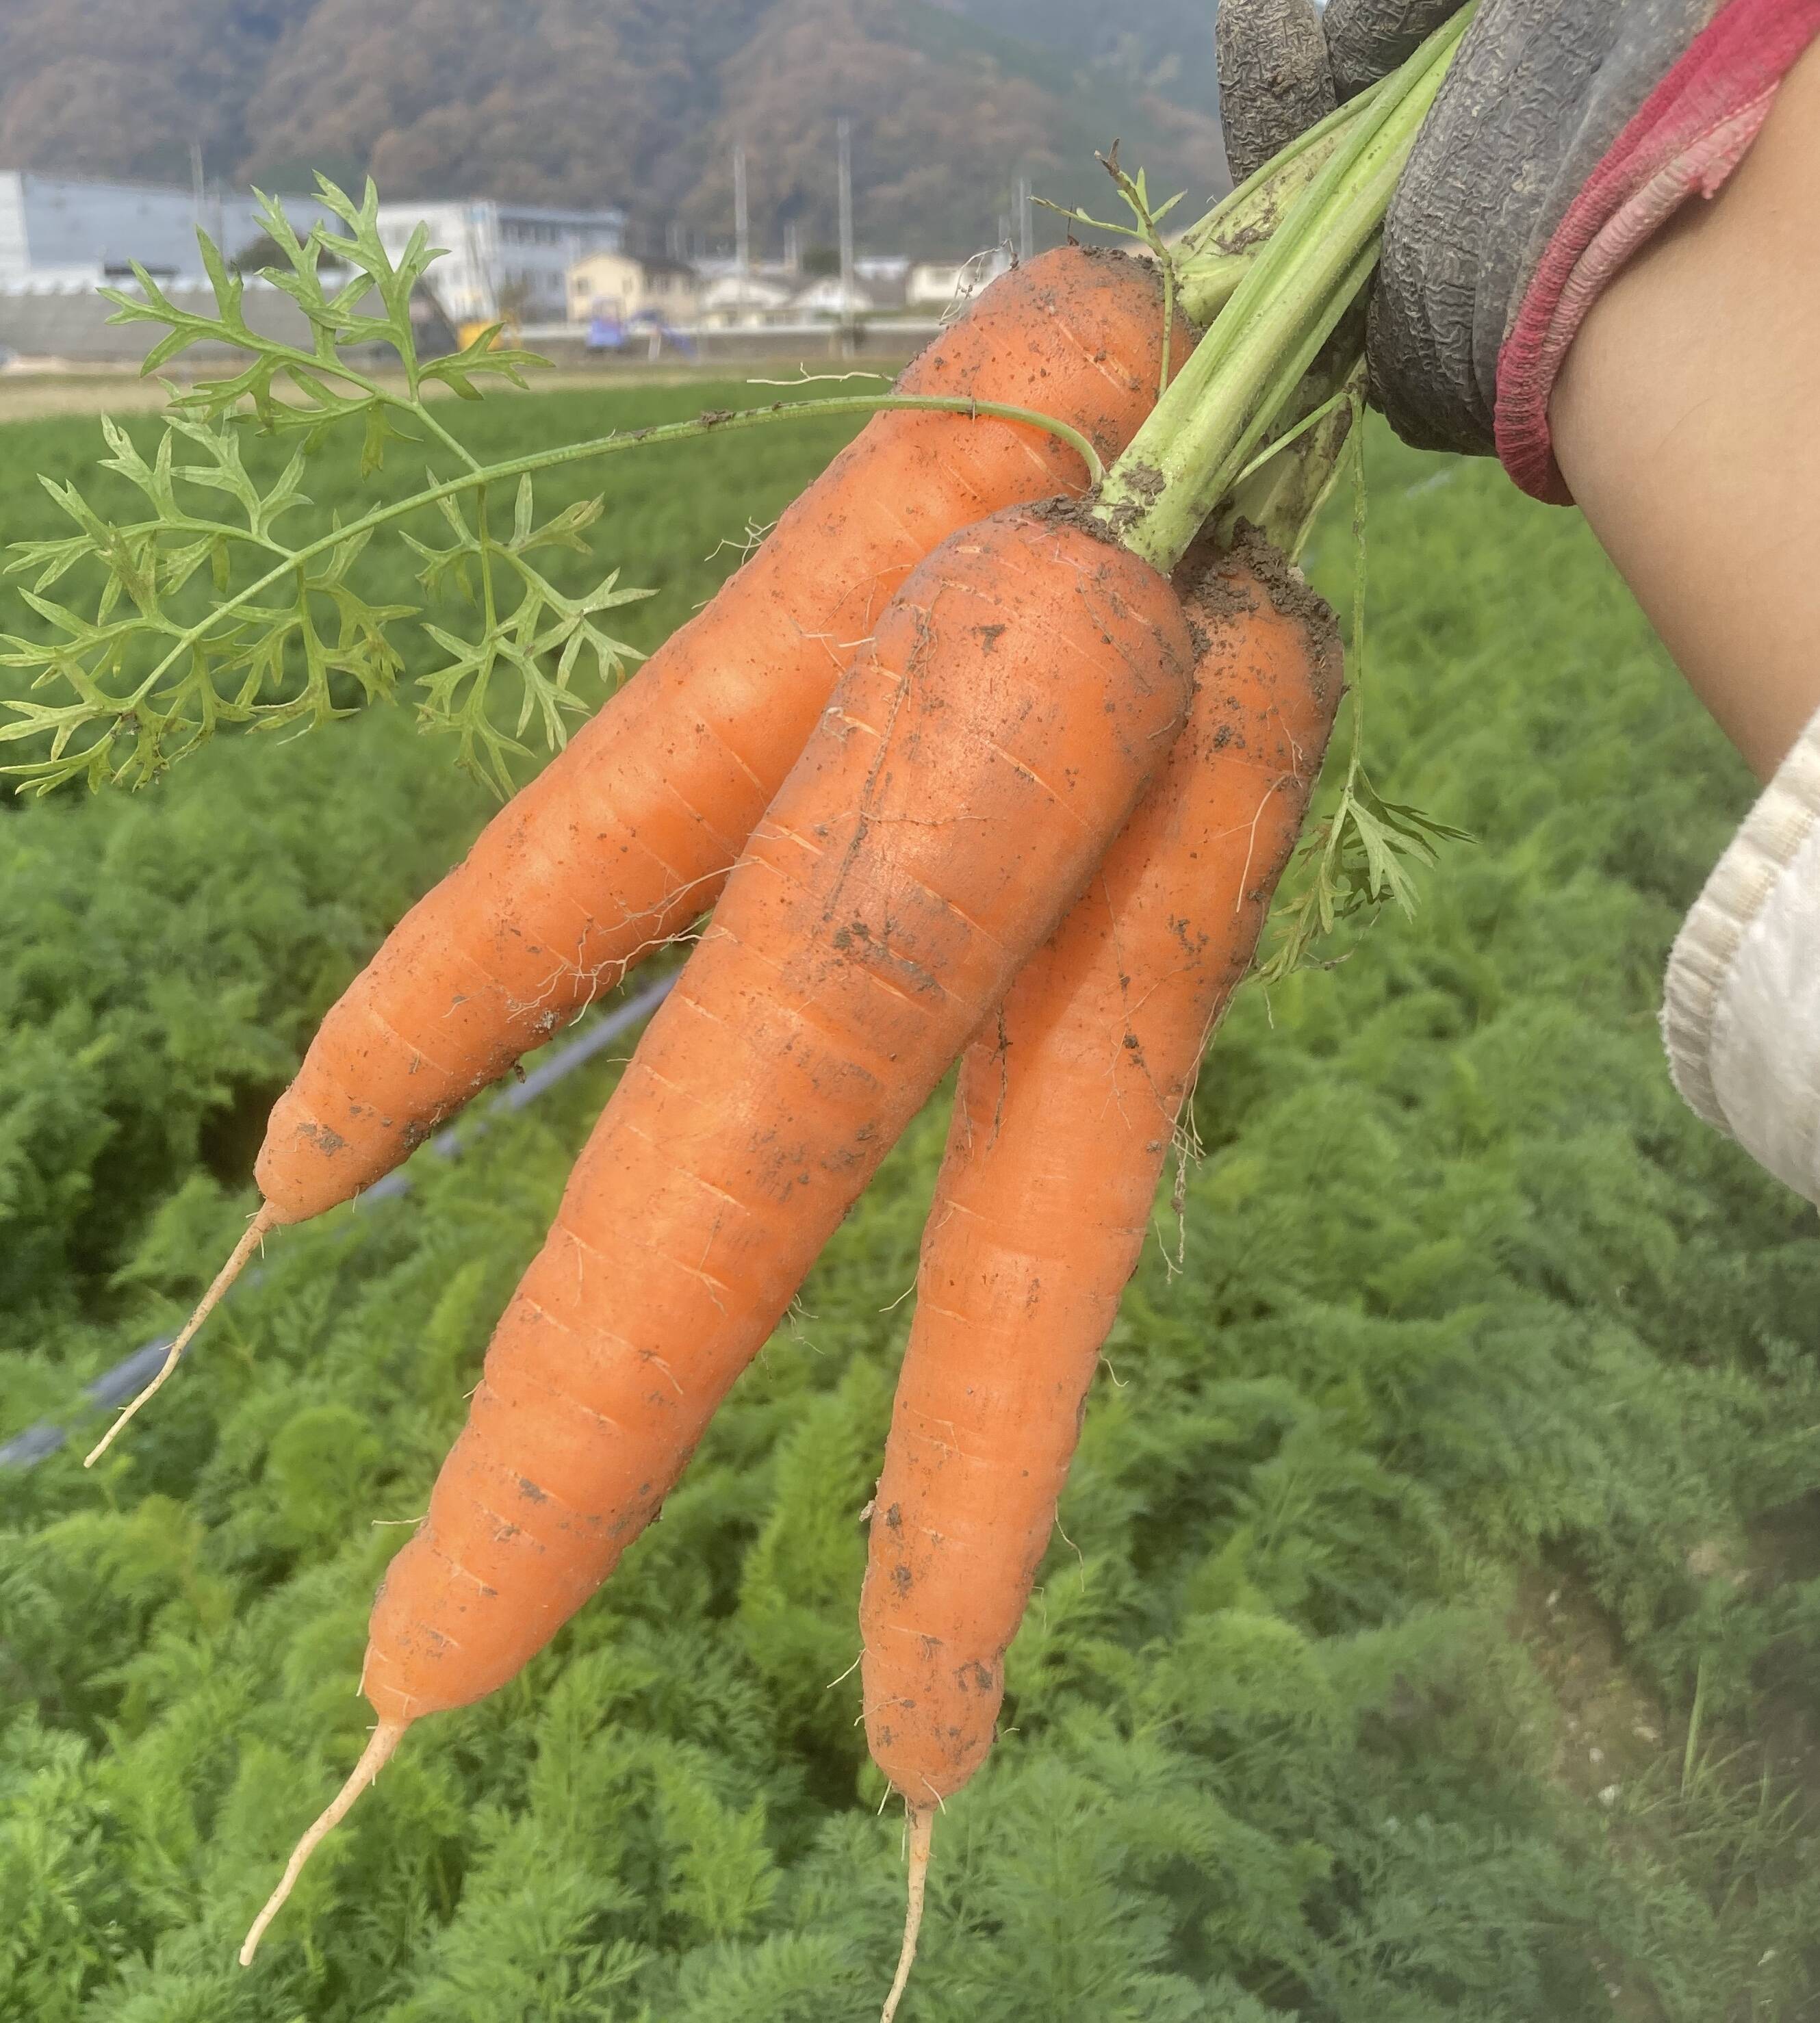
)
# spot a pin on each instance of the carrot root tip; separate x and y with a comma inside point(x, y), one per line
point(373, 1758)
point(922, 1826)
point(256, 1230)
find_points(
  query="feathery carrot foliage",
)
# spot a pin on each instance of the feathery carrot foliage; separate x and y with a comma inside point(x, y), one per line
point(1474, 1432)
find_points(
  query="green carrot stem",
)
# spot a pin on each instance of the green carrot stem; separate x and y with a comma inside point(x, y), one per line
point(1318, 142)
point(1282, 490)
point(1248, 368)
point(1213, 256)
point(185, 637)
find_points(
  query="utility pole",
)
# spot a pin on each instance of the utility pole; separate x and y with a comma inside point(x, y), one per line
point(844, 129)
point(198, 195)
point(1025, 246)
point(741, 225)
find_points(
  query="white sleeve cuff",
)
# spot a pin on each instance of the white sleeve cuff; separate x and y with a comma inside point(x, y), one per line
point(1741, 1015)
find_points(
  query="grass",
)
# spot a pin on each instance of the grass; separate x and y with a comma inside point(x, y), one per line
point(1476, 1435)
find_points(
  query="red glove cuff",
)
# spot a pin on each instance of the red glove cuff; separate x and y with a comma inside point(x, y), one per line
point(1685, 139)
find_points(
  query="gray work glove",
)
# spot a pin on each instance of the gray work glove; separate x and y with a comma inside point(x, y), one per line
point(1567, 133)
point(1283, 65)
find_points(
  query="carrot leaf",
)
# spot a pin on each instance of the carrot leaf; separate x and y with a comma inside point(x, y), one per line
point(203, 606)
point(545, 630)
point(1359, 860)
point(212, 603)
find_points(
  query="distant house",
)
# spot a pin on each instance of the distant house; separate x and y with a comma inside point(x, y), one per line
point(504, 260)
point(723, 266)
point(739, 302)
point(615, 288)
point(934, 284)
point(61, 233)
point(829, 298)
point(884, 276)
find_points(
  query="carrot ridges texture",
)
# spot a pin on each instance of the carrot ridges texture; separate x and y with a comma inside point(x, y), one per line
point(626, 836)
point(1029, 675)
point(1063, 1117)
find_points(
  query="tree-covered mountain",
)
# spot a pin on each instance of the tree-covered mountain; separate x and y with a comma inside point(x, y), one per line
point(1165, 47)
point(638, 102)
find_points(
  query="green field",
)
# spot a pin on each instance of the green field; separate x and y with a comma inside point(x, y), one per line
point(1433, 1636)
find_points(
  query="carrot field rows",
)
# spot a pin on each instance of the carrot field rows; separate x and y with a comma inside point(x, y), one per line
point(1424, 1639)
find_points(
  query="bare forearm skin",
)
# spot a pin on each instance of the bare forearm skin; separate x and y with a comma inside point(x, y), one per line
point(1687, 420)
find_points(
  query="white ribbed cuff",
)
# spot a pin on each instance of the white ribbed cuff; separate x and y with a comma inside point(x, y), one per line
point(1741, 1011)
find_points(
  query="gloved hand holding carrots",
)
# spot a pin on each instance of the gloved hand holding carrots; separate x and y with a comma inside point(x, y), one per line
point(1602, 264)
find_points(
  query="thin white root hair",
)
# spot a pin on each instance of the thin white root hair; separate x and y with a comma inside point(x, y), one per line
point(372, 1761)
point(922, 1826)
point(255, 1234)
point(805, 378)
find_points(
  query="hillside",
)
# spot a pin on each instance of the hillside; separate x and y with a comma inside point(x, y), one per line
point(1165, 46)
point(639, 102)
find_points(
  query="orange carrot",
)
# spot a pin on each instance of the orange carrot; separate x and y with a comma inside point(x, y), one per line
point(1063, 1119)
point(626, 837)
point(978, 756)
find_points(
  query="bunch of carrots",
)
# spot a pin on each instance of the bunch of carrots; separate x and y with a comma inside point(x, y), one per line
point(976, 759)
